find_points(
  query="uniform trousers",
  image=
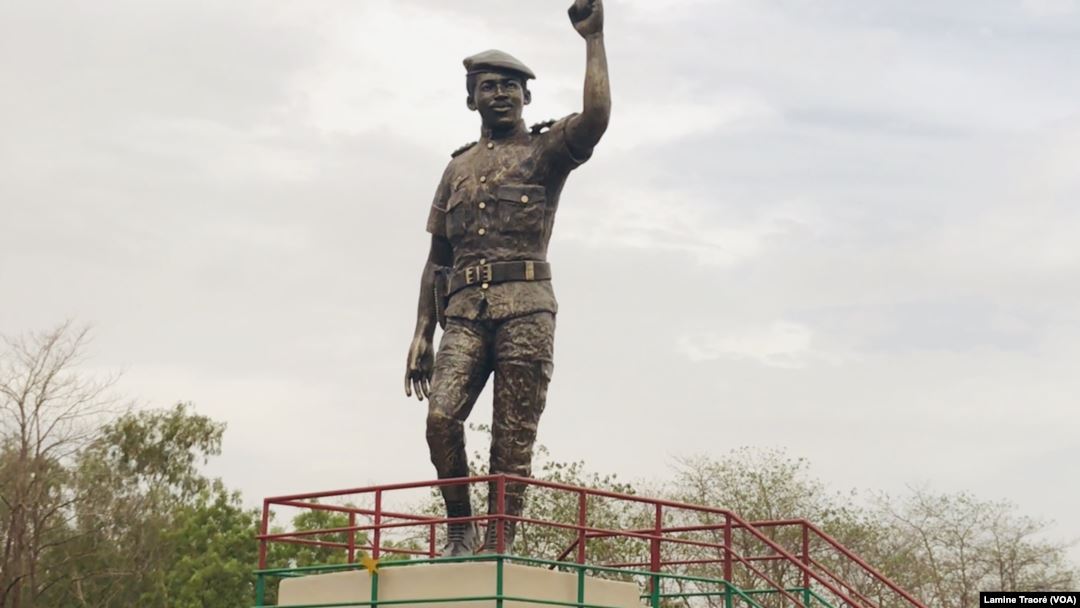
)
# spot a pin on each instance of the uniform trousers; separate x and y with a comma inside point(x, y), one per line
point(519, 351)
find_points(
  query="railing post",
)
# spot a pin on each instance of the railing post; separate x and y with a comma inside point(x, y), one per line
point(500, 572)
point(431, 541)
point(260, 582)
point(654, 556)
point(806, 561)
point(581, 586)
point(260, 590)
point(264, 530)
point(500, 519)
point(352, 538)
point(729, 598)
point(377, 535)
point(581, 520)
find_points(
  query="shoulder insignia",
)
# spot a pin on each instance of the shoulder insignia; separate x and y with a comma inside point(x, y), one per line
point(540, 127)
point(462, 149)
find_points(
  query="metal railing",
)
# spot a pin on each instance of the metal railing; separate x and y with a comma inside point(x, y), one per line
point(702, 556)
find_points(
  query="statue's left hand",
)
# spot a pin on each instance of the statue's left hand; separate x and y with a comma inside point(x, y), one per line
point(418, 368)
point(587, 17)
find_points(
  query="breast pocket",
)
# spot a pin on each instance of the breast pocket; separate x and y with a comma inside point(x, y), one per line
point(521, 208)
point(458, 217)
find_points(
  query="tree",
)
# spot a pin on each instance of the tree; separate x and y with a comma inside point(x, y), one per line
point(107, 515)
point(214, 550)
point(47, 414)
point(140, 484)
point(757, 485)
point(956, 545)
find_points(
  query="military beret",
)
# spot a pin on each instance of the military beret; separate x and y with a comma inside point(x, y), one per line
point(496, 61)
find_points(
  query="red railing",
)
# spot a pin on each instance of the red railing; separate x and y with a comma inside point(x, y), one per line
point(811, 532)
point(717, 535)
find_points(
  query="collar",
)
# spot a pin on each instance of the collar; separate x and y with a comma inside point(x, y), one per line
point(517, 133)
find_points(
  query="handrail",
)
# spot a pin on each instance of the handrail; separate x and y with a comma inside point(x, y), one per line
point(716, 527)
point(843, 582)
point(735, 519)
point(811, 570)
point(840, 548)
point(865, 566)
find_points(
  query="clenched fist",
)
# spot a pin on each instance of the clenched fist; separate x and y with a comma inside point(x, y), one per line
point(587, 17)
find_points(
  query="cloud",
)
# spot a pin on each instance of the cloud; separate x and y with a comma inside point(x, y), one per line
point(807, 219)
point(679, 115)
point(677, 220)
point(780, 344)
point(1050, 8)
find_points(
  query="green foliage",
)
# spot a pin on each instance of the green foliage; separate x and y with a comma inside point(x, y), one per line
point(139, 484)
point(137, 524)
point(160, 451)
point(213, 547)
point(296, 555)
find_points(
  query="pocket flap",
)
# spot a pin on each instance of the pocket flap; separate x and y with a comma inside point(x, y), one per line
point(522, 193)
point(454, 201)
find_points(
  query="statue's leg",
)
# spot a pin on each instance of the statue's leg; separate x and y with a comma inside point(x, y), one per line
point(462, 366)
point(523, 364)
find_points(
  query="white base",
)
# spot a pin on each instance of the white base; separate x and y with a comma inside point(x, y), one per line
point(472, 579)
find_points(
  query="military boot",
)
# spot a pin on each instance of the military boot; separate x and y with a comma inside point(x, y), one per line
point(491, 539)
point(462, 539)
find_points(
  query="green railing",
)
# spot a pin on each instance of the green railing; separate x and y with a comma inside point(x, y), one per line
point(655, 597)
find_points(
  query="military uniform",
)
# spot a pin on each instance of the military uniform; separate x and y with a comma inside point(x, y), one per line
point(496, 206)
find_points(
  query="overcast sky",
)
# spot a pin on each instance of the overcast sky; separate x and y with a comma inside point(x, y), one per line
point(846, 228)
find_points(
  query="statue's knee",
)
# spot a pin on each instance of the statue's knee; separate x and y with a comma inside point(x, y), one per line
point(440, 424)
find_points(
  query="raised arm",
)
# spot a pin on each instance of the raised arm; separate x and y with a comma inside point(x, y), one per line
point(585, 130)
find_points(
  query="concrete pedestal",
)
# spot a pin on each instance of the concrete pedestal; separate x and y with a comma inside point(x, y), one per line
point(460, 580)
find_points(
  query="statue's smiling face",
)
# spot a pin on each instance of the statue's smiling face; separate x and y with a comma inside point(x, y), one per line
point(499, 97)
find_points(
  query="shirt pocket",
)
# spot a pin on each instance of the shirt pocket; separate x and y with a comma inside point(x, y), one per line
point(522, 208)
point(458, 217)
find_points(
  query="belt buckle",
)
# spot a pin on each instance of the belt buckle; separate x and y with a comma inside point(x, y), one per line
point(476, 274)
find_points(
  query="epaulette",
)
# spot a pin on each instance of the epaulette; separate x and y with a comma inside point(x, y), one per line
point(539, 127)
point(462, 149)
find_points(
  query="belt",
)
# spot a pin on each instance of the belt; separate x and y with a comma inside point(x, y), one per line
point(499, 272)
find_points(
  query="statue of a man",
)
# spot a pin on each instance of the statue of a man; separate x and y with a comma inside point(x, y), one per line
point(487, 278)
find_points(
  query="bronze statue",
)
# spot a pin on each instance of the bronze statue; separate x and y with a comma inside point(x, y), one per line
point(487, 280)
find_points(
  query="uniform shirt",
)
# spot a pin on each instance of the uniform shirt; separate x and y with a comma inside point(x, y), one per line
point(496, 202)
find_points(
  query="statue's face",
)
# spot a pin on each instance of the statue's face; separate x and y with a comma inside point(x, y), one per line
point(499, 98)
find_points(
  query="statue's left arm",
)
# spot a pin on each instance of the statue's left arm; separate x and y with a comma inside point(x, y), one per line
point(584, 130)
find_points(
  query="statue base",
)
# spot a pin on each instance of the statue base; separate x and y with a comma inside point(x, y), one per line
point(457, 585)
